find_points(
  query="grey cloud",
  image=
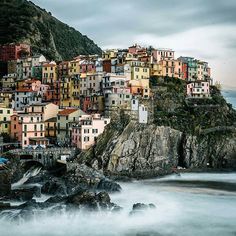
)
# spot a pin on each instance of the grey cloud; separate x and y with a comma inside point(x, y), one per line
point(123, 18)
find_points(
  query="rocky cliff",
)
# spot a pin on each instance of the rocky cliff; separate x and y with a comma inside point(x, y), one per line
point(23, 21)
point(199, 135)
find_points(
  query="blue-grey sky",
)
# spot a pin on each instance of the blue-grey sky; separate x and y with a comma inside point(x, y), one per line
point(205, 29)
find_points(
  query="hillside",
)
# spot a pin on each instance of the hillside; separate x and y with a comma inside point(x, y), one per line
point(23, 21)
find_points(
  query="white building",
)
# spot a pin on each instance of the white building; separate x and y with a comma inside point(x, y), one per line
point(199, 89)
point(142, 114)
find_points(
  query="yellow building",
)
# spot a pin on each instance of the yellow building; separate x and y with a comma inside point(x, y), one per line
point(9, 81)
point(74, 67)
point(156, 70)
point(49, 73)
point(168, 68)
point(139, 70)
point(109, 54)
point(6, 99)
point(69, 92)
point(5, 120)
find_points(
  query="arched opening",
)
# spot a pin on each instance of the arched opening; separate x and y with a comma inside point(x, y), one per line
point(32, 164)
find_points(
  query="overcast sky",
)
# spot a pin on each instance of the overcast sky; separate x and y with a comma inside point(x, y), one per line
point(205, 29)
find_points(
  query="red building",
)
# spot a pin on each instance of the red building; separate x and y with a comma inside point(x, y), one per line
point(185, 71)
point(13, 51)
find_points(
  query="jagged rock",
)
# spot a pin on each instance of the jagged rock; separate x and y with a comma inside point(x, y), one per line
point(25, 194)
point(82, 176)
point(109, 186)
point(54, 186)
point(91, 201)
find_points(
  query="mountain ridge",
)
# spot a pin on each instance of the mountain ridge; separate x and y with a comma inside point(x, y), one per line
point(22, 21)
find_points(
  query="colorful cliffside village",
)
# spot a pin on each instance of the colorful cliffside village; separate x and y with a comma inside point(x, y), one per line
point(69, 103)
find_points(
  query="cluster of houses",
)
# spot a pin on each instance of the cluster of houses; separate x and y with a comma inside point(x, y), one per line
point(70, 102)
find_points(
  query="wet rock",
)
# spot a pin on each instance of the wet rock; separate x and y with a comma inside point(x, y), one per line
point(85, 199)
point(5, 183)
point(25, 194)
point(92, 201)
point(54, 187)
point(4, 206)
point(55, 199)
point(109, 186)
point(141, 207)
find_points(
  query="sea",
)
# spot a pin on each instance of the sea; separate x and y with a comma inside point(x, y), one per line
point(230, 96)
point(193, 204)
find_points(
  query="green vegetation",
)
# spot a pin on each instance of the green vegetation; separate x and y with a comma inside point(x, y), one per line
point(22, 21)
point(193, 116)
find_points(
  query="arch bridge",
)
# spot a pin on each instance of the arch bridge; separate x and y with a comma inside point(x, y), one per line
point(47, 158)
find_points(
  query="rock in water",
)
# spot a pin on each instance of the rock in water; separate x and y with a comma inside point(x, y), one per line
point(141, 207)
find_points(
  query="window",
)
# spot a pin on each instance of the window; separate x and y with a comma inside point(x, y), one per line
point(6, 126)
point(4, 118)
point(8, 111)
point(35, 127)
point(1, 111)
point(113, 102)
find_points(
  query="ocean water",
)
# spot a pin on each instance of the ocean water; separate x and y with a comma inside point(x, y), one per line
point(230, 96)
point(192, 204)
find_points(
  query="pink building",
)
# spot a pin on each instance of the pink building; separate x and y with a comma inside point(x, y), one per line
point(87, 66)
point(87, 129)
point(28, 129)
point(198, 90)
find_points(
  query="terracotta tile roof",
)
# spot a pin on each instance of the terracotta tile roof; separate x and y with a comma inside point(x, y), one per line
point(66, 112)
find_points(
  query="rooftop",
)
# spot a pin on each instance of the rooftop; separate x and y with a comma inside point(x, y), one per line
point(66, 112)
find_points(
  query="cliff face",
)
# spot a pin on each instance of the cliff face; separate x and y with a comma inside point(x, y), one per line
point(141, 149)
point(149, 150)
point(23, 21)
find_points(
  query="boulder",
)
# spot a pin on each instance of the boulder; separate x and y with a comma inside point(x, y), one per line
point(141, 207)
